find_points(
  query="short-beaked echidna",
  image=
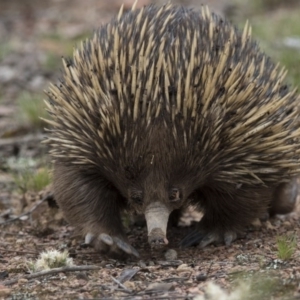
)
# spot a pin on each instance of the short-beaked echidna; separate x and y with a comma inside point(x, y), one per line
point(165, 107)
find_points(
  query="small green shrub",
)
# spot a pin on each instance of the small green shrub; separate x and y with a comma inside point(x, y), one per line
point(286, 246)
point(32, 109)
point(30, 180)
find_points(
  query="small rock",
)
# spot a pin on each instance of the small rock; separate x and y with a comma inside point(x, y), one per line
point(286, 224)
point(81, 282)
point(270, 226)
point(37, 82)
point(3, 275)
point(242, 258)
point(72, 31)
point(82, 276)
point(292, 42)
point(142, 265)
point(171, 254)
point(160, 286)
point(237, 269)
point(6, 111)
point(127, 274)
point(256, 223)
point(130, 285)
point(201, 277)
point(22, 281)
point(184, 268)
point(7, 74)
point(4, 291)
point(170, 263)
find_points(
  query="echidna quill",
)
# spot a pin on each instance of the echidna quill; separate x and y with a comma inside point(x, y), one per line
point(167, 107)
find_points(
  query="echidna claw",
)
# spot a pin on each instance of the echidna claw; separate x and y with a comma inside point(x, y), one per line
point(89, 238)
point(125, 247)
point(122, 245)
point(202, 239)
point(229, 237)
point(134, 252)
point(208, 239)
point(117, 246)
point(107, 239)
point(191, 239)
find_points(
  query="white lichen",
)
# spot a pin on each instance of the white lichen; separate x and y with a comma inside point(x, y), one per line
point(215, 292)
point(50, 259)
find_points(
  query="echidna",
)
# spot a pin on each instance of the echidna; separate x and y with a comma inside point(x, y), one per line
point(167, 107)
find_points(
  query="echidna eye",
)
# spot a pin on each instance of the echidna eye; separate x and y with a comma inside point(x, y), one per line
point(175, 195)
point(137, 197)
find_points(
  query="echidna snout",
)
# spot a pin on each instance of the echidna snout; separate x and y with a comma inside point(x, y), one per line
point(157, 215)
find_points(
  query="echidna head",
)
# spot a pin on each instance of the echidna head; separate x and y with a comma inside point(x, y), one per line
point(156, 197)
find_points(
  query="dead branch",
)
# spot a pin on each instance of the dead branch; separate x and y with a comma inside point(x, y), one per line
point(46, 198)
point(51, 272)
point(22, 140)
point(121, 285)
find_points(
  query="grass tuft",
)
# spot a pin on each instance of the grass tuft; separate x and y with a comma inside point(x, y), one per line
point(32, 109)
point(286, 246)
point(30, 180)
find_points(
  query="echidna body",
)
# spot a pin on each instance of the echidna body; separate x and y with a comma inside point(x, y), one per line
point(166, 107)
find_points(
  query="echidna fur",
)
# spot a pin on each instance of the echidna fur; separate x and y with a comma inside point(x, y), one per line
point(165, 107)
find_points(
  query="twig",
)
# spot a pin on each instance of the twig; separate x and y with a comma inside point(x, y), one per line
point(5, 213)
point(48, 197)
point(52, 271)
point(177, 278)
point(209, 268)
point(19, 251)
point(120, 284)
point(21, 140)
point(167, 296)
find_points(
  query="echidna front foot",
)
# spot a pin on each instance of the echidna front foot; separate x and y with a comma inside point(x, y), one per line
point(285, 198)
point(204, 238)
point(113, 246)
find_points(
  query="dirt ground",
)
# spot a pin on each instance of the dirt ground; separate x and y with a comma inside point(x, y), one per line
point(34, 35)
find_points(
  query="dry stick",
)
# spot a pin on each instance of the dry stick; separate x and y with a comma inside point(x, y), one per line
point(168, 296)
point(120, 284)
point(19, 251)
point(52, 271)
point(48, 197)
point(21, 140)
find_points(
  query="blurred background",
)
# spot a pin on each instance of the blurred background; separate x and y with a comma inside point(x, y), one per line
point(35, 34)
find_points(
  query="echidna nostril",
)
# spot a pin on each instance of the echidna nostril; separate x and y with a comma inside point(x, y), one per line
point(157, 241)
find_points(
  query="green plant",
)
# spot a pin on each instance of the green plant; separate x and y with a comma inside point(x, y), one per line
point(30, 180)
point(32, 109)
point(286, 246)
point(5, 49)
point(52, 62)
point(271, 34)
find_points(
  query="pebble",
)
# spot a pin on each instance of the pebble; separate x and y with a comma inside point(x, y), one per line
point(4, 291)
point(7, 74)
point(184, 268)
point(22, 280)
point(201, 277)
point(142, 265)
point(171, 254)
